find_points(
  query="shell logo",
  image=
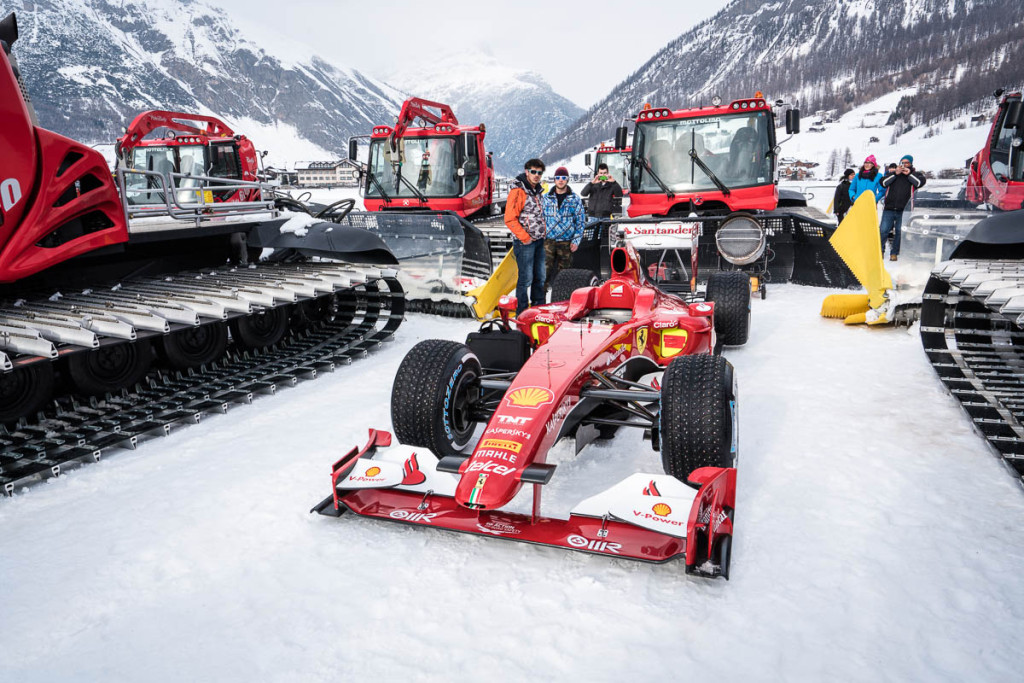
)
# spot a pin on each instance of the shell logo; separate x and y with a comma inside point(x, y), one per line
point(530, 397)
point(661, 510)
point(372, 472)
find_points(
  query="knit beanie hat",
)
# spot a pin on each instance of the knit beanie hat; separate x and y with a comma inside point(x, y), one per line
point(871, 160)
point(907, 157)
point(561, 170)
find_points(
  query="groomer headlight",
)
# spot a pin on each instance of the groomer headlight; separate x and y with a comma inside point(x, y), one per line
point(740, 240)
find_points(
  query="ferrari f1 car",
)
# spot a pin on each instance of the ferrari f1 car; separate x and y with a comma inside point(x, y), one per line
point(620, 354)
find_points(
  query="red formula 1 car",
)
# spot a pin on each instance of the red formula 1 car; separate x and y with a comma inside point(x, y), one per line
point(620, 354)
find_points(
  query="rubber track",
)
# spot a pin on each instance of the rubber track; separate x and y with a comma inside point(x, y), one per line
point(976, 347)
point(72, 433)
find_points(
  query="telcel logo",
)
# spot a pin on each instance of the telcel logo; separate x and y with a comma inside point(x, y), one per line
point(492, 467)
point(10, 193)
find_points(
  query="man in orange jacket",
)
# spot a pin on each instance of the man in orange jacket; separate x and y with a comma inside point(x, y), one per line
point(524, 216)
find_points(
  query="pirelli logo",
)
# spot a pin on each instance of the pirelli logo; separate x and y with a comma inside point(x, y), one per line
point(502, 444)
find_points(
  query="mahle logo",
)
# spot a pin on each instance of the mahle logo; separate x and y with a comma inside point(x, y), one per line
point(10, 193)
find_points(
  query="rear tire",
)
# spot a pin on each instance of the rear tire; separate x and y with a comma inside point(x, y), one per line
point(193, 346)
point(569, 280)
point(698, 415)
point(730, 291)
point(262, 329)
point(25, 390)
point(110, 368)
point(434, 395)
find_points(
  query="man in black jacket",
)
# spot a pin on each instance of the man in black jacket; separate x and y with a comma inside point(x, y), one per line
point(603, 190)
point(841, 201)
point(899, 189)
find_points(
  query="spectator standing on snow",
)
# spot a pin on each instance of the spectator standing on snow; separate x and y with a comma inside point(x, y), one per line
point(841, 201)
point(524, 216)
point(899, 189)
point(868, 179)
point(603, 190)
point(563, 213)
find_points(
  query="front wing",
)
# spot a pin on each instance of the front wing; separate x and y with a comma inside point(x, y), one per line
point(646, 517)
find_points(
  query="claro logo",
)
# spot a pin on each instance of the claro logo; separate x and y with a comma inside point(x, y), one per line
point(10, 193)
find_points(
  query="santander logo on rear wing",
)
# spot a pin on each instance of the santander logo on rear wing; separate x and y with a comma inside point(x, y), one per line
point(664, 235)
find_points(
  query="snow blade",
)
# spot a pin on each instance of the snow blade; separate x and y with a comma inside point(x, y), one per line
point(328, 240)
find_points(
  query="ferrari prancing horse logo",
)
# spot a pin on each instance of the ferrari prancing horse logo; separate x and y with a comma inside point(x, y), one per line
point(641, 339)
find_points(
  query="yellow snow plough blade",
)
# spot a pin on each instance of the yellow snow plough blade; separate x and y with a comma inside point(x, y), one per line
point(502, 281)
point(859, 244)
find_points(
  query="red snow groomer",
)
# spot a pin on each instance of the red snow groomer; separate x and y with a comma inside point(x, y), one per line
point(198, 147)
point(719, 163)
point(996, 173)
point(104, 277)
point(620, 354)
point(438, 164)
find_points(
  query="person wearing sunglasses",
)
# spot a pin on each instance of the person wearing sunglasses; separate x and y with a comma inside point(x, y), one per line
point(524, 217)
point(563, 211)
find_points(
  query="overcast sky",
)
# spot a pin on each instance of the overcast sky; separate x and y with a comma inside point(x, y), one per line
point(583, 49)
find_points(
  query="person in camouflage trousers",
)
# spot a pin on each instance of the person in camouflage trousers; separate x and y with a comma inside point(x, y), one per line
point(563, 212)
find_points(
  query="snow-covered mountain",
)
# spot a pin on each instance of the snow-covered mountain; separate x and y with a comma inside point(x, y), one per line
point(92, 65)
point(521, 111)
point(826, 55)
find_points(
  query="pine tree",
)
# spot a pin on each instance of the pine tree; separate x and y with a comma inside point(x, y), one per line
point(848, 158)
point(833, 162)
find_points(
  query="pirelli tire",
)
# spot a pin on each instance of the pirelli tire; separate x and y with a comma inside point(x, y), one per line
point(434, 396)
point(730, 291)
point(698, 417)
point(569, 280)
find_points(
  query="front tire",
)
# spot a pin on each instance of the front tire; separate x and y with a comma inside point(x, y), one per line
point(730, 291)
point(434, 396)
point(698, 415)
point(569, 280)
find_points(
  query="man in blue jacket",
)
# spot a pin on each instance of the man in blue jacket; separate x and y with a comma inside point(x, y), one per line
point(563, 212)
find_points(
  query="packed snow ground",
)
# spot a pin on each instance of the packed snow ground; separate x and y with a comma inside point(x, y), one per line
point(877, 538)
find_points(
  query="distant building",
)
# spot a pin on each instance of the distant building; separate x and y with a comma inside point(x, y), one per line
point(327, 173)
point(794, 169)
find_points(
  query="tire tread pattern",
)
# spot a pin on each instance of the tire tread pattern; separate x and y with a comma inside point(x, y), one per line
point(418, 392)
point(730, 291)
point(696, 422)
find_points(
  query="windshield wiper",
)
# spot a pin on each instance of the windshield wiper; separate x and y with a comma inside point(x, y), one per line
point(379, 186)
point(419, 195)
point(710, 174)
point(644, 163)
